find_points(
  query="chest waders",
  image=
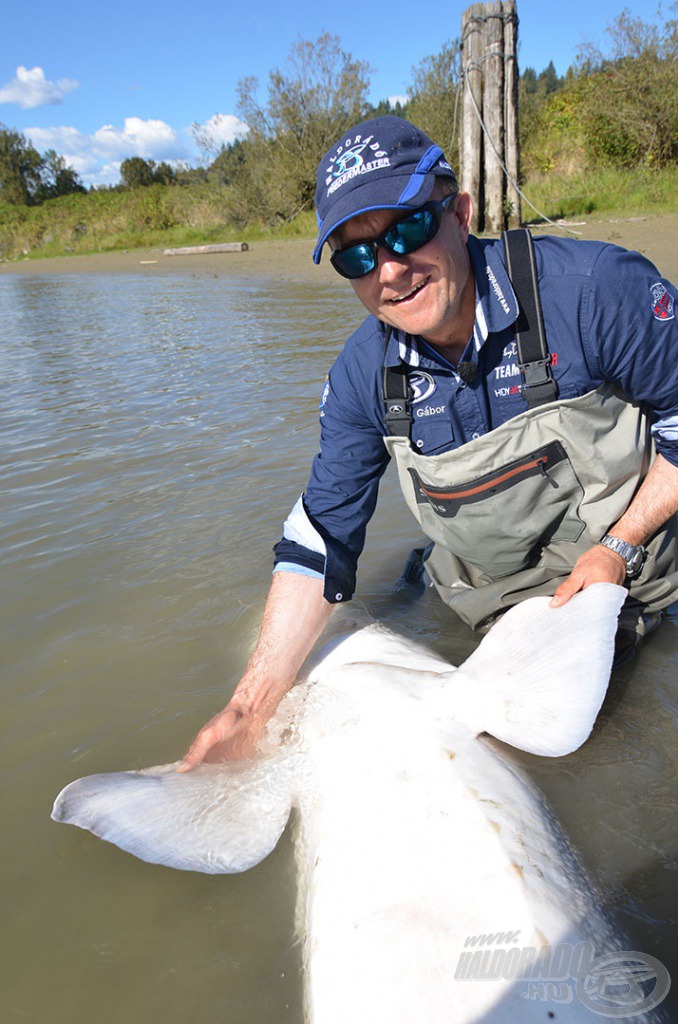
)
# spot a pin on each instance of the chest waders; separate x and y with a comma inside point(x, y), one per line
point(510, 512)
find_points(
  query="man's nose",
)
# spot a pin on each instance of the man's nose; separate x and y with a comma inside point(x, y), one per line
point(390, 266)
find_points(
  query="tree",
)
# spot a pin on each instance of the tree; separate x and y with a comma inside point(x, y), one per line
point(436, 83)
point(20, 167)
point(229, 163)
point(57, 178)
point(630, 89)
point(528, 81)
point(163, 173)
point(384, 107)
point(135, 172)
point(548, 80)
point(545, 125)
point(319, 93)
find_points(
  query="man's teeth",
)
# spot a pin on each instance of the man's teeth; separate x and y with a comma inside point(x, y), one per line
point(412, 291)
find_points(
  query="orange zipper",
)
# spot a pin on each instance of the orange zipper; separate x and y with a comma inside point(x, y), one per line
point(539, 462)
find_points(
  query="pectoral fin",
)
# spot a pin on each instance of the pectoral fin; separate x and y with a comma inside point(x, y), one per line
point(539, 677)
point(217, 818)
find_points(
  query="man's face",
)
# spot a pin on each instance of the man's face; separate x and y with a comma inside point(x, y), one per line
point(430, 292)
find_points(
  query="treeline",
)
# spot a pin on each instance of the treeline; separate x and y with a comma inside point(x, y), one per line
point(616, 108)
point(28, 178)
point(318, 94)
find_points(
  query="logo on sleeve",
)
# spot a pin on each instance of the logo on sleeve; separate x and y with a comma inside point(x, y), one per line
point(325, 393)
point(662, 302)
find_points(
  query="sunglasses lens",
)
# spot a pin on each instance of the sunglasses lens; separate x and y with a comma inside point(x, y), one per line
point(408, 235)
point(412, 233)
point(356, 261)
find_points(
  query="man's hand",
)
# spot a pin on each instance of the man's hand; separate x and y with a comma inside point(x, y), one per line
point(655, 502)
point(295, 615)
point(232, 734)
point(597, 565)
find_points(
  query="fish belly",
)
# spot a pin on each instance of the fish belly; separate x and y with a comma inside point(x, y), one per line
point(415, 850)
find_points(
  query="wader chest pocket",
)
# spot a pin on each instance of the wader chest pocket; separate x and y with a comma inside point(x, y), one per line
point(500, 521)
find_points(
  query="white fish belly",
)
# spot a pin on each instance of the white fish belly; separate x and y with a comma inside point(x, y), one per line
point(410, 846)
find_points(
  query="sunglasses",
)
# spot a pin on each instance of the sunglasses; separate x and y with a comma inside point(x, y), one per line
point(407, 235)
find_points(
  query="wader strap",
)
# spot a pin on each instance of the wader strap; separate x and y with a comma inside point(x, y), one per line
point(397, 397)
point(534, 358)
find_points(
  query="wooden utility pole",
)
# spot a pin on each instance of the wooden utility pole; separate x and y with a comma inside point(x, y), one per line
point(511, 81)
point(490, 150)
point(472, 139)
point(493, 115)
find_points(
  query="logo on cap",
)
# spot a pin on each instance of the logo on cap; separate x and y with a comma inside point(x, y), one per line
point(348, 161)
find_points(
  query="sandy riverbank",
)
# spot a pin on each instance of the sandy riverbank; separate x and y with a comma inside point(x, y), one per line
point(290, 259)
point(283, 259)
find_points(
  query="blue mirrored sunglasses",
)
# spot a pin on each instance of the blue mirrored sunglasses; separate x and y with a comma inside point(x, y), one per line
point(405, 236)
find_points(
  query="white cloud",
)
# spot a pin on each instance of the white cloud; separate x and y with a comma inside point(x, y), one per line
point(97, 157)
point(397, 99)
point(152, 139)
point(30, 89)
point(221, 130)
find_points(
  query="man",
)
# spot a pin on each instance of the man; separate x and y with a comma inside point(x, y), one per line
point(531, 475)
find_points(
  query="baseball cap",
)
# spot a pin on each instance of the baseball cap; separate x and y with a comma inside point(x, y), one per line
point(385, 163)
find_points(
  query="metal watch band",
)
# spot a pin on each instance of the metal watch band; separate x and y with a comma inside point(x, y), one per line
point(634, 555)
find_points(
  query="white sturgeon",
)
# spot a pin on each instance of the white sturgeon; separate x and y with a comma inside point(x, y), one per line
point(419, 846)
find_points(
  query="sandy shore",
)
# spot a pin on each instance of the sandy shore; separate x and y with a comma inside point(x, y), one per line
point(283, 259)
point(290, 259)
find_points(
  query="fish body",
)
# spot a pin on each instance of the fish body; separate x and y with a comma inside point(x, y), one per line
point(431, 874)
point(426, 839)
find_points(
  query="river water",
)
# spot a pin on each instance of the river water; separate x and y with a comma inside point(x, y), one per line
point(155, 434)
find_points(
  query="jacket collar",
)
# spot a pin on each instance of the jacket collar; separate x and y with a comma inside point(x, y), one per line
point(496, 305)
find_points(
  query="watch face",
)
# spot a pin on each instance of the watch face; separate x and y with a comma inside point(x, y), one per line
point(636, 562)
point(632, 555)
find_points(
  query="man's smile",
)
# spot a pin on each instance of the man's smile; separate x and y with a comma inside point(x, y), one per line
point(414, 290)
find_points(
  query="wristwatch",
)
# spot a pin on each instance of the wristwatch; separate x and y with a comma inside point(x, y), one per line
point(634, 556)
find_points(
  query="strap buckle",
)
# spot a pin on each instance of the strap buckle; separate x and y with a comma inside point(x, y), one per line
point(539, 386)
point(398, 417)
point(536, 372)
point(397, 397)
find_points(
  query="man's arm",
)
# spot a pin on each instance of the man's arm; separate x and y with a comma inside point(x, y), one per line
point(655, 502)
point(295, 615)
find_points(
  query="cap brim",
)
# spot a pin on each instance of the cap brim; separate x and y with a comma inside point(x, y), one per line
point(376, 194)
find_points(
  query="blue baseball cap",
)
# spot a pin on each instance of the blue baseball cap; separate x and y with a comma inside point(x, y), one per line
point(382, 164)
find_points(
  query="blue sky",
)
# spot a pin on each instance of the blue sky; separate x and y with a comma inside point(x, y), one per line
point(102, 82)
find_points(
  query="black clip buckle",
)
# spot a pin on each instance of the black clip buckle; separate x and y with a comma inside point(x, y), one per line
point(536, 372)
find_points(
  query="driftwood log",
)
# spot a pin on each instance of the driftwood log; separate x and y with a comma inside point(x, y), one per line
point(201, 250)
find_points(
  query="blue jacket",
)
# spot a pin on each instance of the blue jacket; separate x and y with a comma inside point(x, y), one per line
point(609, 317)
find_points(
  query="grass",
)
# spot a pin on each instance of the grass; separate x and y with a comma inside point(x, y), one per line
point(154, 217)
point(170, 217)
point(607, 191)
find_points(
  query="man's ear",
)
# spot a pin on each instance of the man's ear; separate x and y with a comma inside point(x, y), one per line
point(463, 211)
